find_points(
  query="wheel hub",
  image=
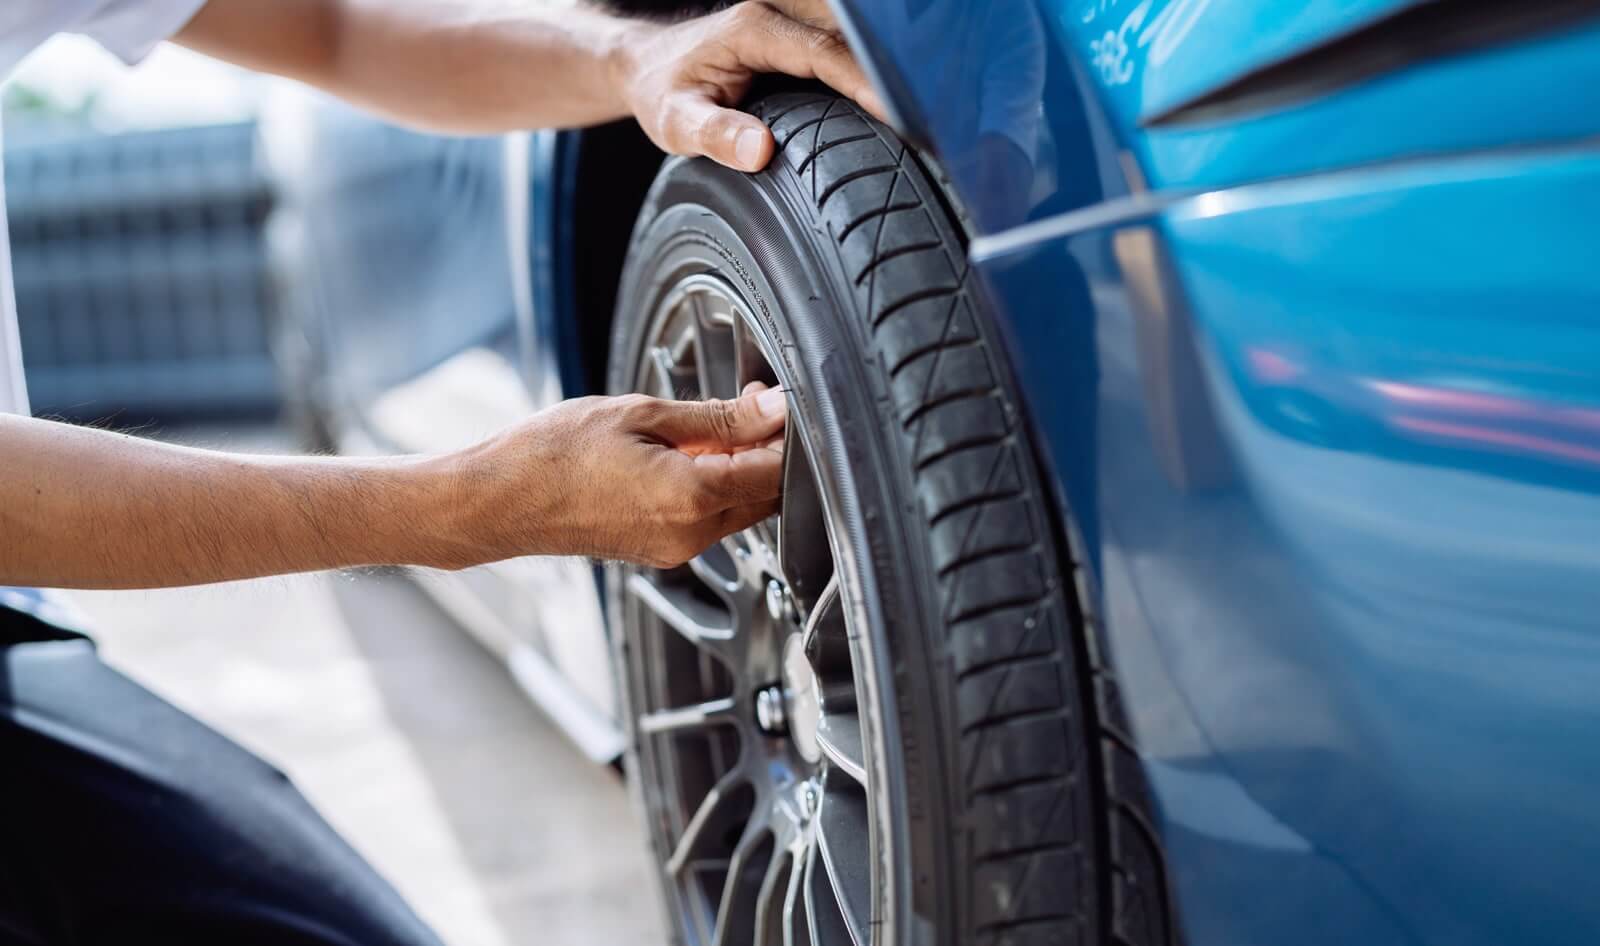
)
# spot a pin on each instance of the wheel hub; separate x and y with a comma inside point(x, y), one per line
point(803, 703)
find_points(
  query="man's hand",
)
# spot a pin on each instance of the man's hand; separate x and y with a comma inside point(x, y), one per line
point(483, 66)
point(633, 478)
point(681, 81)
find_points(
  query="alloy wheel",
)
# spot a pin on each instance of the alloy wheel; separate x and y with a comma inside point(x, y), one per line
point(741, 678)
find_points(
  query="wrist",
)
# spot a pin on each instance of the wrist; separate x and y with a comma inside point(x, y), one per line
point(495, 500)
point(619, 57)
point(449, 525)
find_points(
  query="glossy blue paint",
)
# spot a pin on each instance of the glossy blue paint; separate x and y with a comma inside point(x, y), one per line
point(1484, 100)
point(552, 365)
point(1169, 52)
point(1320, 395)
point(1026, 106)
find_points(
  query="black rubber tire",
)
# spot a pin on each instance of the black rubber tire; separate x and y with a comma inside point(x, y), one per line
point(847, 253)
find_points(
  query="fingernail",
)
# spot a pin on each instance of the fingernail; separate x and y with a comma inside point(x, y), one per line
point(772, 403)
point(747, 148)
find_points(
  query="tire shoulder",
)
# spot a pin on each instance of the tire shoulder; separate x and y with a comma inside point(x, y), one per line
point(1022, 749)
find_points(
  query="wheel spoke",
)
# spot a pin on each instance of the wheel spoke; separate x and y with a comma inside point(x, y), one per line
point(825, 637)
point(839, 737)
point(697, 621)
point(736, 915)
point(705, 569)
point(714, 353)
point(843, 838)
point(770, 900)
point(824, 918)
point(670, 380)
point(803, 553)
point(796, 931)
point(709, 812)
point(697, 716)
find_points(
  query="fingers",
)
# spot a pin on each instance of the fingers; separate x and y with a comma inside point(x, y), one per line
point(727, 480)
point(680, 86)
point(776, 441)
point(694, 123)
point(720, 425)
point(743, 517)
point(810, 12)
point(770, 41)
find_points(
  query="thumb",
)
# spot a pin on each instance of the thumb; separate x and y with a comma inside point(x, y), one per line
point(697, 125)
point(698, 426)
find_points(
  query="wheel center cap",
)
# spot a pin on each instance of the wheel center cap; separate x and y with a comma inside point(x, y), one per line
point(804, 709)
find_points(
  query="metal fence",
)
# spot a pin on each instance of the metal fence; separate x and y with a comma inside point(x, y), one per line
point(141, 274)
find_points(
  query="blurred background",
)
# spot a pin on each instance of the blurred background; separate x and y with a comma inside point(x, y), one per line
point(183, 235)
point(138, 206)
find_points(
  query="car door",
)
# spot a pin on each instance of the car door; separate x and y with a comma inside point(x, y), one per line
point(407, 267)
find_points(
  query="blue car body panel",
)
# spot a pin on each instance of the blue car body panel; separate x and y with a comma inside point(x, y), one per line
point(1318, 388)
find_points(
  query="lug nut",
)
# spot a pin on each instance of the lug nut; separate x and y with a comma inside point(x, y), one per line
point(777, 599)
point(769, 711)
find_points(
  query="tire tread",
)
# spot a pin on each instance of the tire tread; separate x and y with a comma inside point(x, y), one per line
point(1029, 783)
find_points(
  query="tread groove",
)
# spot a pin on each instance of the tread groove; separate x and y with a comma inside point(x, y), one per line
point(923, 352)
point(819, 150)
point(1002, 603)
point(977, 500)
point(800, 128)
point(774, 119)
point(877, 240)
point(898, 251)
point(933, 292)
point(851, 227)
point(1021, 716)
point(816, 136)
point(966, 560)
point(855, 175)
point(949, 397)
point(938, 455)
point(1000, 788)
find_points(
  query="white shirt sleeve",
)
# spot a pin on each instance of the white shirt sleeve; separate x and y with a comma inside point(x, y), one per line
point(128, 28)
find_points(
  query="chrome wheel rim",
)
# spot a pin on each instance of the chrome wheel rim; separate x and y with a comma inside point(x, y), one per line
point(742, 684)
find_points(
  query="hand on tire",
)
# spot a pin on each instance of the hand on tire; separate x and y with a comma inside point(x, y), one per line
point(632, 478)
point(681, 80)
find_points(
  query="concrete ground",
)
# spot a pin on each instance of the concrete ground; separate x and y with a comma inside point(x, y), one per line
point(411, 740)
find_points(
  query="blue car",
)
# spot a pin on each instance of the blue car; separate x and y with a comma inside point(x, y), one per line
point(1191, 523)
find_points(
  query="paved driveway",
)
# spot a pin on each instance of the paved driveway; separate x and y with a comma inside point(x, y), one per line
point(411, 740)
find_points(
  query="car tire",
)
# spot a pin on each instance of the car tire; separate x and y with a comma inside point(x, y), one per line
point(1008, 810)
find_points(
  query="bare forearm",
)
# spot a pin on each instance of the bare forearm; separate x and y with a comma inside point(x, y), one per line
point(89, 508)
point(464, 66)
point(481, 66)
point(623, 477)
